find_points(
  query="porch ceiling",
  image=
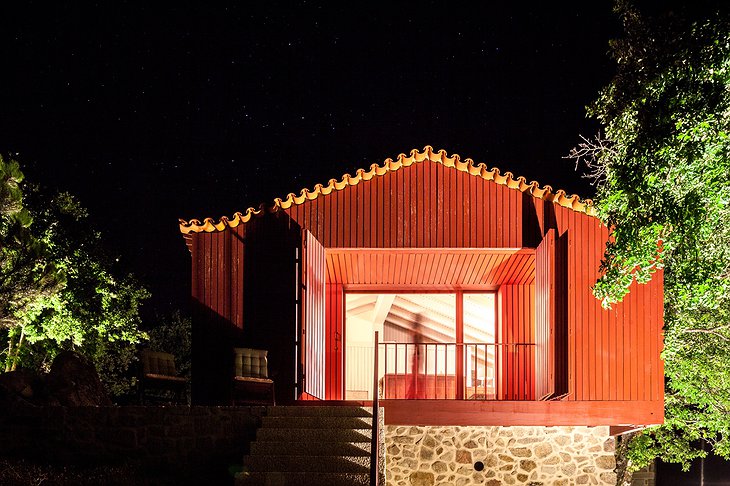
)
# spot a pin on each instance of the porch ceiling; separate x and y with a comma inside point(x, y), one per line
point(430, 268)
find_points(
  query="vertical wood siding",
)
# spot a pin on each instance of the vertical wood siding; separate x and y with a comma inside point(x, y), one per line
point(313, 316)
point(335, 303)
point(611, 354)
point(517, 328)
point(217, 273)
point(545, 317)
point(425, 205)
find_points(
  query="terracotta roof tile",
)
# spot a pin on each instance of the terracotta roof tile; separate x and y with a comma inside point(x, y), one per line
point(441, 157)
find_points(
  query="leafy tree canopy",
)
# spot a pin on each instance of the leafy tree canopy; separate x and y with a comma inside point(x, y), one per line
point(663, 187)
point(93, 310)
point(26, 271)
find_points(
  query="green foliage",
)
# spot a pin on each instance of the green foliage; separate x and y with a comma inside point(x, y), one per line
point(97, 312)
point(172, 334)
point(663, 173)
point(27, 273)
point(58, 288)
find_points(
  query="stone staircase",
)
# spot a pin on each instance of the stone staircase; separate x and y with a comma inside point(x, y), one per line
point(311, 445)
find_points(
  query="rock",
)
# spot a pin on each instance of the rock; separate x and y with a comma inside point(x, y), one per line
point(562, 440)
point(18, 389)
point(506, 458)
point(421, 478)
point(491, 461)
point(527, 465)
point(606, 462)
point(543, 450)
point(73, 381)
point(552, 460)
point(20, 382)
point(521, 452)
point(463, 456)
point(609, 445)
point(470, 444)
point(426, 454)
point(608, 477)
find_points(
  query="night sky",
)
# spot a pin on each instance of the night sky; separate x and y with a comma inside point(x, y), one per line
point(149, 114)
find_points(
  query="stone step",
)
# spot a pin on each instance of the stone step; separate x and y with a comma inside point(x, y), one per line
point(286, 463)
point(318, 411)
point(311, 448)
point(301, 479)
point(313, 435)
point(316, 422)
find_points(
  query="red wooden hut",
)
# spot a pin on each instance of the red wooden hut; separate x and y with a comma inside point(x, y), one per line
point(478, 283)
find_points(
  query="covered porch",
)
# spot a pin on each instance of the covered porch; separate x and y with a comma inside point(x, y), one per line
point(454, 324)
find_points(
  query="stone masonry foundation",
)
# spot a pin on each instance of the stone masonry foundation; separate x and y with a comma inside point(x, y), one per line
point(460, 456)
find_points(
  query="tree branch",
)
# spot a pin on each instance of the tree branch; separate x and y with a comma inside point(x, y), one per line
point(592, 152)
point(713, 331)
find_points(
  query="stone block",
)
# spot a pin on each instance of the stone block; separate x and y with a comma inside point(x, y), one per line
point(527, 465)
point(426, 454)
point(420, 478)
point(463, 456)
point(609, 445)
point(470, 444)
point(543, 450)
point(606, 462)
point(521, 452)
point(608, 477)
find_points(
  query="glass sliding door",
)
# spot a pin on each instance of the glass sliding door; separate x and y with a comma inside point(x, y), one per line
point(411, 327)
point(480, 349)
point(419, 354)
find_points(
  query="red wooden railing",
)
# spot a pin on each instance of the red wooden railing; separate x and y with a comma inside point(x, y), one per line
point(375, 437)
point(490, 371)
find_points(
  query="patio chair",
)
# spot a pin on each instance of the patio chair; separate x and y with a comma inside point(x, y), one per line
point(251, 383)
point(158, 375)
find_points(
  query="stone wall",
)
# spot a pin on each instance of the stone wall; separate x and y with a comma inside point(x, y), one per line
point(176, 437)
point(493, 456)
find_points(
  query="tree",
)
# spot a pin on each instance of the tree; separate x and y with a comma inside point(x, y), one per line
point(27, 273)
point(663, 188)
point(172, 334)
point(58, 287)
point(96, 313)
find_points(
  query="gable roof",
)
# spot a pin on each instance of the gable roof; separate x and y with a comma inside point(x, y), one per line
point(545, 193)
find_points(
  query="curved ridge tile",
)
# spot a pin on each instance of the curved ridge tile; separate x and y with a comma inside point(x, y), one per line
point(467, 165)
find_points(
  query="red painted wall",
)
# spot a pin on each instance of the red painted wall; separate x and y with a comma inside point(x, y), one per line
point(612, 354)
point(516, 327)
point(425, 205)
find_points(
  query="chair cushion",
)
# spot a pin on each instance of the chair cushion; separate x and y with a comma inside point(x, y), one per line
point(157, 363)
point(251, 363)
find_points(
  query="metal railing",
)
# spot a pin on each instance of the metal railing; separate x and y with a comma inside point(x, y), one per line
point(458, 371)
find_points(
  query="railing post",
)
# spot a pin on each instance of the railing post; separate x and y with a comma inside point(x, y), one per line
point(375, 439)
